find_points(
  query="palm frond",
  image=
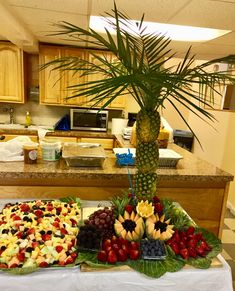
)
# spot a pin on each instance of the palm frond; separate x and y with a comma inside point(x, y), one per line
point(141, 67)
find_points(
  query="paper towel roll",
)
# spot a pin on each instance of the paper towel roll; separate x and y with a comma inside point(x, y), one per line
point(118, 124)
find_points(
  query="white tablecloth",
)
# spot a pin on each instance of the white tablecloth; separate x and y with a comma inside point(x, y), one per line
point(213, 279)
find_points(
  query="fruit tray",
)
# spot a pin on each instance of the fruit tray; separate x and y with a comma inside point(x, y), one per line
point(38, 234)
point(167, 157)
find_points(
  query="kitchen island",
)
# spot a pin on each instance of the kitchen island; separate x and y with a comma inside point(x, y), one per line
point(198, 186)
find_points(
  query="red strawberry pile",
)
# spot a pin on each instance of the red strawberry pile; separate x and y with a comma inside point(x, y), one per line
point(118, 250)
point(188, 244)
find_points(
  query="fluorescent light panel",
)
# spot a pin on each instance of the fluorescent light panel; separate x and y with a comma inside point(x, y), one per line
point(175, 32)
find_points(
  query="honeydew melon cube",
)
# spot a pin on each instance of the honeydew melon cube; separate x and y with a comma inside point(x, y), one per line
point(29, 263)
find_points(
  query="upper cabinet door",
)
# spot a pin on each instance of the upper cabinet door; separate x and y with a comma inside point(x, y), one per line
point(120, 101)
point(50, 82)
point(73, 77)
point(11, 74)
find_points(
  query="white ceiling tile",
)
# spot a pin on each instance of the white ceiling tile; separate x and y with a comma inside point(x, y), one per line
point(72, 6)
point(207, 13)
point(154, 10)
point(43, 19)
point(227, 39)
point(223, 50)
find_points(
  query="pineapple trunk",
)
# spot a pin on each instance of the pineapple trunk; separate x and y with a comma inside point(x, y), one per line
point(147, 153)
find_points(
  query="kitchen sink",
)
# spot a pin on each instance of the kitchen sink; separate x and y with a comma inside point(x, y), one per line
point(12, 126)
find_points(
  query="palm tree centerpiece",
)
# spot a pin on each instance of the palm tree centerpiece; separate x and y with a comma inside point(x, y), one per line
point(141, 70)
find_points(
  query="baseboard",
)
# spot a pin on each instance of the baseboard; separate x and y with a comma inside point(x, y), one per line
point(231, 208)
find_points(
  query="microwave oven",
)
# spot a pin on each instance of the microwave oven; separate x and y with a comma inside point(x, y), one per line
point(89, 119)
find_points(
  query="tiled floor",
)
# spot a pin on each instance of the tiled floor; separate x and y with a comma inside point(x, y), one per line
point(228, 241)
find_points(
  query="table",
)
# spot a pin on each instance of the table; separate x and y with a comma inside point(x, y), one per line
point(216, 279)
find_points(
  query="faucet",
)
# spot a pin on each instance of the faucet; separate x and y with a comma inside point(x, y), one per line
point(11, 112)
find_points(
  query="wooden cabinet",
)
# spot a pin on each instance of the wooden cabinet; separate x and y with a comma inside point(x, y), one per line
point(50, 82)
point(63, 139)
point(11, 74)
point(120, 101)
point(54, 84)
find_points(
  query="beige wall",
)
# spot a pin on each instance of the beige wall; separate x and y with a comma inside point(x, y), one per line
point(218, 144)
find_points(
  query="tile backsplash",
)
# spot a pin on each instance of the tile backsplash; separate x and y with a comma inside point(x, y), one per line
point(41, 114)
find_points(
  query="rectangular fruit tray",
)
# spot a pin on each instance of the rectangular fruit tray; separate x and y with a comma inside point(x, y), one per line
point(38, 234)
point(167, 157)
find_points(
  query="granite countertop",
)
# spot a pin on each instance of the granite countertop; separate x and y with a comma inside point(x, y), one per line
point(62, 133)
point(190, 168)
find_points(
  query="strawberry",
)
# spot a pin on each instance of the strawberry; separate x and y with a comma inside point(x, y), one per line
point(107, 249)
point(176, 236)
point(46, 237)
point(129, 208)
point(58, 249)
point(24, 207)
point(35, 244)
point(13, 265)
point(184, 253)
point(134, 254)
point(134, 245)
point(181, 245)
point(158, 208)
point(112, 257)
point(192, 252)
point(63, 231)
point(21, 257)
point(3, 266)
point(69, 260)
point(38, 213)
point(106, 243)
point(122, 255)
point(43, 265)
point(114, 239)
point(155, 199)
point(16, 217)
point(200, 251)
point(192, 243)
point(58, 209)
point(74, 223)
point(102, 256)
point(175, 248)
point(190, 230)
point(50, 208)
point(56, 224)
point(74, 255)
point(122, 241)
point(19, 234)
point(115, 247)
point(204, 246)
point(126, 248)
point(30, 231)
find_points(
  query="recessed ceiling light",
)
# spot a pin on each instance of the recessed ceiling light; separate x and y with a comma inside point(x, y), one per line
point(175, 32)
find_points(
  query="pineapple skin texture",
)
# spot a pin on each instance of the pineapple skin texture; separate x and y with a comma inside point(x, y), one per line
point(147, 153)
